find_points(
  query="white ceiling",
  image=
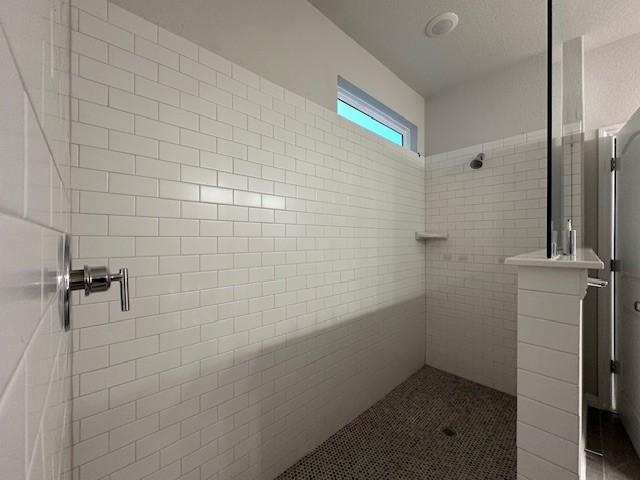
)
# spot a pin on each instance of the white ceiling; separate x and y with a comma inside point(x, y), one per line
point(491, 33)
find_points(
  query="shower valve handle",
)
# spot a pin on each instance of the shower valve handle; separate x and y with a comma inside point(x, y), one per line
point(98, 279)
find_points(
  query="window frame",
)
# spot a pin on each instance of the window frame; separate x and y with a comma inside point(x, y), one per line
point(356, 101)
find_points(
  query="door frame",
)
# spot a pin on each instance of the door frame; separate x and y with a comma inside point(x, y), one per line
point(606, 245)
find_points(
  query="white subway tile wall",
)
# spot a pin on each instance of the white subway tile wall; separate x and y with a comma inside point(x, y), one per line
point(277, 288)
point(489, 214)
point(35, 372)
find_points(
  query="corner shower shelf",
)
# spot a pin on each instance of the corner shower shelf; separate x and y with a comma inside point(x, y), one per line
point(431, 236)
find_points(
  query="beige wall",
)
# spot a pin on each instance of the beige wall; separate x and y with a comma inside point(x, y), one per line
point(499, 105)
point(483, 109)
point(612, 82)
point(288, 42)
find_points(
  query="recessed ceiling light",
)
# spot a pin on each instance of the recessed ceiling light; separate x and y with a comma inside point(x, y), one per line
point(441, 25)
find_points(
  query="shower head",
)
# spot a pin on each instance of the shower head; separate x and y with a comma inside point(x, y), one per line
point(476, 163)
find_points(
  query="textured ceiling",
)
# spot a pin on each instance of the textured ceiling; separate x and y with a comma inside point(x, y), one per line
point(491, 33)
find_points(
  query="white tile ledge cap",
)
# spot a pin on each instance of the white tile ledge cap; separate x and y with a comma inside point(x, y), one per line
point(585, 258)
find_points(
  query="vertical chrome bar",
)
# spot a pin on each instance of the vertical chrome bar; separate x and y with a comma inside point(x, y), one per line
point(124, 289)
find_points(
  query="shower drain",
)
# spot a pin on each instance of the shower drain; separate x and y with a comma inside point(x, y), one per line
point(449, 432)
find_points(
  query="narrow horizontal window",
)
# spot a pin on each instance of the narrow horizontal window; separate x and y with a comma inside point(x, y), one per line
point(361, 108)
point(365, 121)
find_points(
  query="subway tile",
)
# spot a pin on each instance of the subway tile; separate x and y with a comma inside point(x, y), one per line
point(132, 349)
point(215, 95)
point(235, 213)
point(199, 245)
point(197, 210)
point(177, 80)
point(197, 140)
point(89, 135)
point(156, 91)
point(106, 420)
point(157, 363)
point(107, 203)
point(106, 74)
point(90, 314)
point(216, 128)
point(157, 207)
point(179, 227)
point(216, 195)
point(89, 46)
point(216, 161)
point(179, 190)
point(155, 443)
point(178, 301)
point(91, 337)
point(128, 102)
point(107, 464)
point(199, 175)
point(178, 117)
point(88, 90)
point(138, 469)
point(101, 159)
point(177, 44)
point(133, 63)
point(105, 31)
point(126, 143)
point(179, 264)
point(197, 70)
point(100, 116)
point(84, 224)
point(93, 381)
point(92, 180)
point(156, 324)
point(157, 245)
point(232, 149)
point(248, 199)
point(232, 86)
point(127, 392)
point(157, 53)
point(160, 131)
point(216, 229)
point(133, 185)
point(178, 154)
point(150, 167)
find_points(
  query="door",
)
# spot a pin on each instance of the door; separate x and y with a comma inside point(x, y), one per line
point(627, 290)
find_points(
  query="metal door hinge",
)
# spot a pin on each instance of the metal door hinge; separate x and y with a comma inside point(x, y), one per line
point(614, 366)
point(615, 163)
point(614, 265)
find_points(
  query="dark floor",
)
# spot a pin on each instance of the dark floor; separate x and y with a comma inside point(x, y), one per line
point(433, 426)
point(610, 455)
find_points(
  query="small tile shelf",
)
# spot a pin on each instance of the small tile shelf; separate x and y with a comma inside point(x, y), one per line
point(431, 236)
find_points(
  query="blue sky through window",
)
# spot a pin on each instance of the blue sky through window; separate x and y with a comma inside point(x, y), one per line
point(350, 113)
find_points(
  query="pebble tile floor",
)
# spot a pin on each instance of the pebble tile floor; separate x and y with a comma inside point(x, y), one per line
point(433, 426)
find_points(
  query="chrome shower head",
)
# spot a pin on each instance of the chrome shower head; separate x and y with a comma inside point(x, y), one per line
point(476, 163)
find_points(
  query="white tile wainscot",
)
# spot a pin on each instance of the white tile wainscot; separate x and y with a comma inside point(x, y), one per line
point(550, 408)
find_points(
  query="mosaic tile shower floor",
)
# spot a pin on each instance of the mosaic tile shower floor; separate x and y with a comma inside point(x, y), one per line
point(433, 426)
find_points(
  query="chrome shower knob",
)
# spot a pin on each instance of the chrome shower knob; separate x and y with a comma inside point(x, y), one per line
point(98, 279)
